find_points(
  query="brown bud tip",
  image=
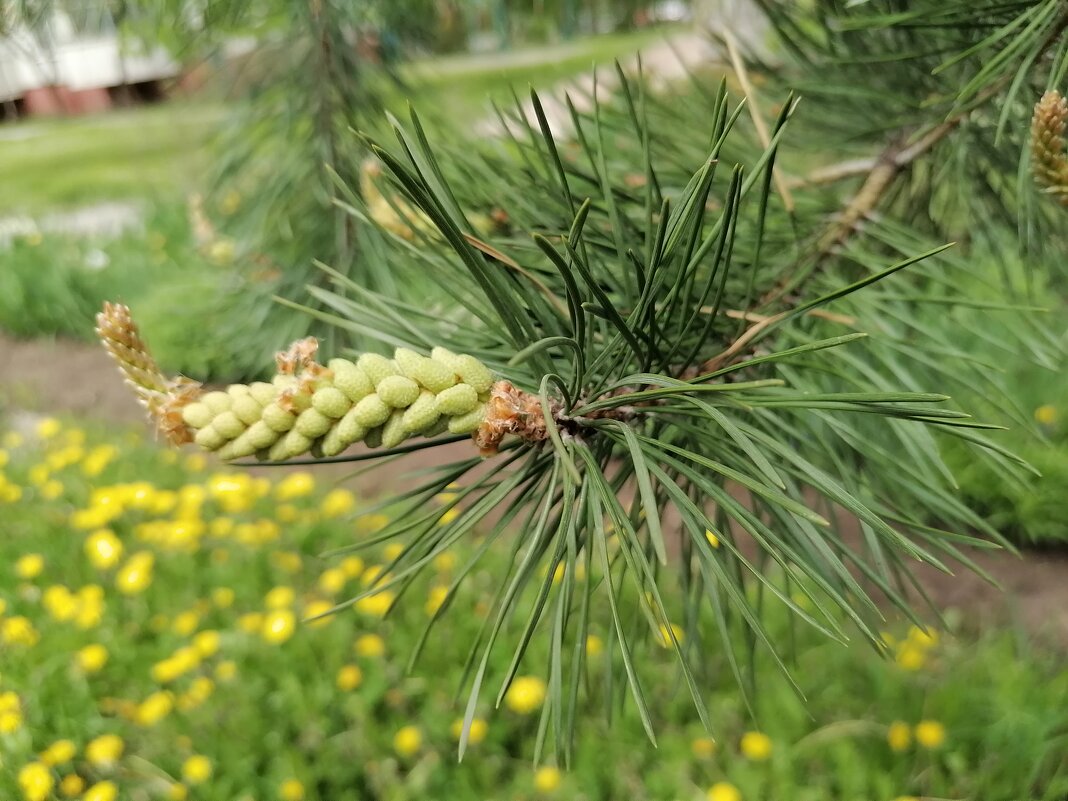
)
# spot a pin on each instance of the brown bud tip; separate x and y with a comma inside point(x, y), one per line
point(1049, 161)
point(510, 410)
point(161, 396)
point(299, 356)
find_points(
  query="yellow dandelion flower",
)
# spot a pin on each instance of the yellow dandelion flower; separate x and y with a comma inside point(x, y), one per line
point(930, 734)
point(663, 635)
point(225, 670)
point(101, 791)
point(163, 501)
point(289, 561)
point(72, 785)
point(278, 626)
point(18, 630)
point(372, 575)
point(206, 642)
point(723, 791)
point(97, 460)
point(185, 623)
point(103, 549)
point(352, 566)
point(376, 605)
point(349, 678)
point(222, 597)
point(35, 781)
point(51, 490)
point(135, 576)
point(594, 645)
point(370, 646)
point(922, 639)
point(221, 527)
point(280, 598)
point(332, 581)
point(234, 492)
point(445, 562)
point(525, 695)
point(546, 779)
point(39, 474)
point(317, 614)
point(199, 691)
point(10, 493)
point(295, 485)
point(222, 251)
point(59, 752)
point(1046, 415)
point(10, 721)
point(910, 656)
point(286, 513)
point(372, 523)
point(197, 769)
point(898, 735)
point(104, 751)
point(445, 498)
point(435, 598)
point(177, 792)
point(251, 622)
point(448, 516)
point(48, 427)
point(9, 701)
point(407, 741)
point(166, 671)
point(291, 790)
point(29, 566)
point(756, 746)
point(154, 708)
point(476, 733)
point(703, 747)
point(393, 551)
point(336, 503)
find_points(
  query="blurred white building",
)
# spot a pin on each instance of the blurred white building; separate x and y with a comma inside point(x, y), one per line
point(62, 66)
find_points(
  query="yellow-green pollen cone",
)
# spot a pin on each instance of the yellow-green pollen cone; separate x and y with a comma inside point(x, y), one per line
point(323, 410)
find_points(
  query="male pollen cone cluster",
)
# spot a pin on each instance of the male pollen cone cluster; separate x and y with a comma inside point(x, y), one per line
point(1049, 159)
point(323, 409)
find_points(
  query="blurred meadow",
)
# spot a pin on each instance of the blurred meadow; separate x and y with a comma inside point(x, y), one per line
point(175, 627)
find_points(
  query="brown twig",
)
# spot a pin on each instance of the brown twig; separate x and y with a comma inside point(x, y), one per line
point(758, 120)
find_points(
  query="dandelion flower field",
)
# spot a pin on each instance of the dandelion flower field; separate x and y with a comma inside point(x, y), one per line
point(173, 630)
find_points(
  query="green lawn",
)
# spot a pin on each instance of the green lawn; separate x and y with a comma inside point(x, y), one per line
point(161, 150)
point(464, 85)
point(139, 152)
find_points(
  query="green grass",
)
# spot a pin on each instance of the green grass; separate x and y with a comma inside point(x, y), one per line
point(129, 153)
point(463, 86)
point(1033, 511)
point(265, 708)
point(161, 151)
